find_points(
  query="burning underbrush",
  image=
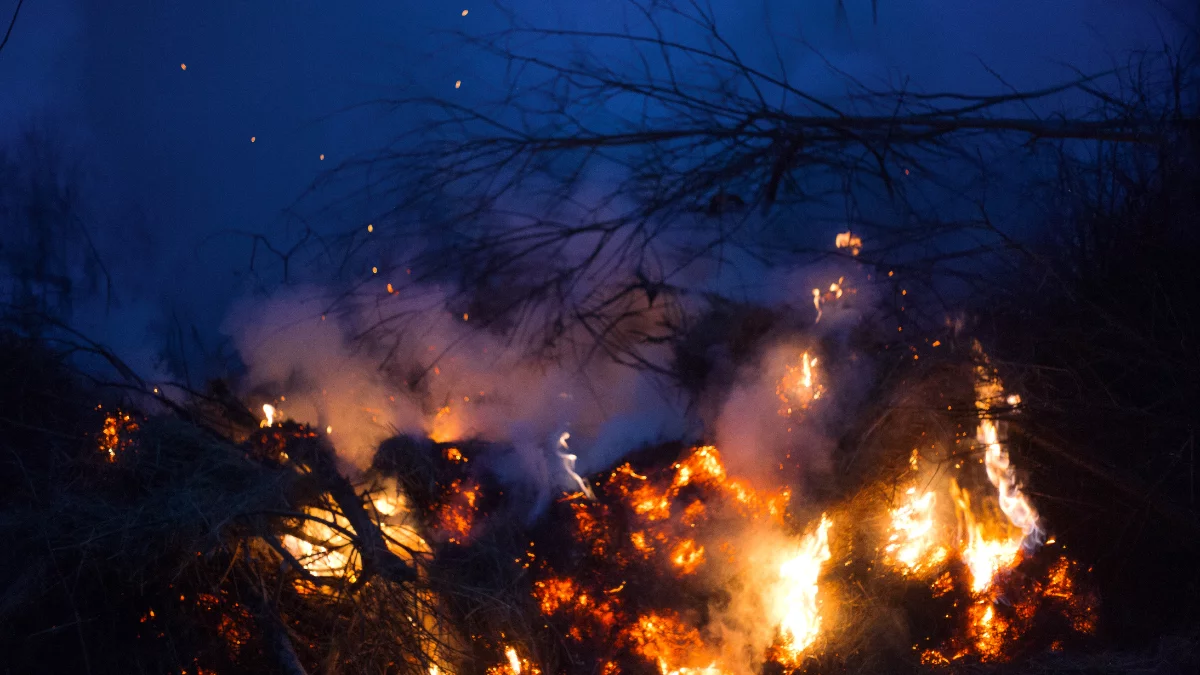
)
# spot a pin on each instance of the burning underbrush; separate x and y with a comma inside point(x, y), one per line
point(213, 539)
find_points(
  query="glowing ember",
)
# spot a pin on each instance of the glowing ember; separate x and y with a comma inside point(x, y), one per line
point(798, 387)
point(321, 546)
point(848, 240)
point(456, 517)
point(514, 665)
point(114, 436)
point(665, 640)
point(446, 426)
point(552, 594)
point(687, 556)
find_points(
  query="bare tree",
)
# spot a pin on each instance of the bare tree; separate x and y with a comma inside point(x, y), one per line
point(573, 210)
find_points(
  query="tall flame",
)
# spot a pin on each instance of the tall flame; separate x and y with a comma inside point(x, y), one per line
point(797, 596)
point(989, 392)
point(568, 462)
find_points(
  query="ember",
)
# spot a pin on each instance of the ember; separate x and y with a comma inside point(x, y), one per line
point(115, 437)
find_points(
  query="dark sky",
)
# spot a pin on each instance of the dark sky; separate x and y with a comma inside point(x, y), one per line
point(175, 145)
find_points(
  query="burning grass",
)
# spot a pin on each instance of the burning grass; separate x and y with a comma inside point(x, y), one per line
point(253, 549)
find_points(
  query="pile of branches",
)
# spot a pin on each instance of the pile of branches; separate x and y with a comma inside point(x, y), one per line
point(153, 544)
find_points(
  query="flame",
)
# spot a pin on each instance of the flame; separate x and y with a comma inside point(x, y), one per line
point(114, 435)
point(912, 545)
point(1002, 475)
point(687, 556)
point(797, 596)
point(446, 426)
point(985, 556)
point(798, 387)
point(568, 462)
point(515, 665)
point(664, 639)
point(554, 593)
point(269, 411)
point(322, 547)
point(456, 517)
point(848, 240)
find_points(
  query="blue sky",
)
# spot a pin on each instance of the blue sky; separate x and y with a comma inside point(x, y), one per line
point(176, 144)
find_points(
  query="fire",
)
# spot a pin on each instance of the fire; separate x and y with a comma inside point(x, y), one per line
point(322, 542)
point(798, 387)
point(985, 556)
point(446, 426)
point(514, 665)
point(912, 546)
point(687, 556)
point(568, 462)
point(797, 597)
point(114, 435)
point(456, 516)
point(836, 290)
point(270, 412)
point(665, 640)
point(848, 240)
point(1002, 475)
point(554, 593)
point(989, 550)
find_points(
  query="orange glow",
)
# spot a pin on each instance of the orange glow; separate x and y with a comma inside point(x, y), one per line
point(456, 517)
point(798, 594)
point(115, 434)
point(554, 593)
point(687, 556)
point(666, 641)
point(849, 240)
point(446, 426)
point(913, 546)
point(514, 665)
point(799, 386)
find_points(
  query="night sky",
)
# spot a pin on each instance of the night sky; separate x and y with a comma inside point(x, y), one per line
point(172, 172)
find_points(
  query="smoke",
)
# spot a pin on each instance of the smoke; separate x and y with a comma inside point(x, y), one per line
point(293, 350)
point(435, 374)
point(780, 420)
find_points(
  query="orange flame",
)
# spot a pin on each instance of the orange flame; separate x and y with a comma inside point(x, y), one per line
point(848, 240)
point(797, 597)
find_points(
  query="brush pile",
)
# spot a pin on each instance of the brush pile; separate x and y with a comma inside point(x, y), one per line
point(160, 544)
